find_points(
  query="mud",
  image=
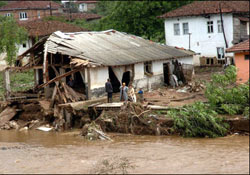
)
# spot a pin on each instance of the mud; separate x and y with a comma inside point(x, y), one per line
point(66, 152)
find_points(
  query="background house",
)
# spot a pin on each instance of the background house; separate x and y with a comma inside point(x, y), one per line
point(208, 28)
point(30, 10)
point(241, 57)
point(97, 56)
point(80, 6)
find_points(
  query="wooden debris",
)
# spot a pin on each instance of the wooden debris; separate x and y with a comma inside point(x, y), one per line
point(7, 114)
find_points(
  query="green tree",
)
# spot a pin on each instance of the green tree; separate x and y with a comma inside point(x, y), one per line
point(137, 17)
point(2, 3)
point(10, 36)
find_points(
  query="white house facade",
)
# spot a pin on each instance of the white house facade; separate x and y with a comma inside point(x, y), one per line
point(202, 35)
point(208, 28)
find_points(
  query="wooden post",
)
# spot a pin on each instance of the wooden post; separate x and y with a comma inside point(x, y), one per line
point(7, 82)
point(62, 71)
point(88, 83)
point(36, 76)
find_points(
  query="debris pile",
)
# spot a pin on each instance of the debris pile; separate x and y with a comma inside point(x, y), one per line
point(132, 118)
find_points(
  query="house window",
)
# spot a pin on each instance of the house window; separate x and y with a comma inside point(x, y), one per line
point(38, 14)
point(210, 28)
point(176, 29)
point(185, 28)
point(8, 14)
point(246, 57)
point(220, 52)
point(148, 67)
point(23, 16)
point(208, 60)
point(219, 26)
point(24, 45)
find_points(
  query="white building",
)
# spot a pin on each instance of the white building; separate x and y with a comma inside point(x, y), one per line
point(198, 27)
point(107, 54)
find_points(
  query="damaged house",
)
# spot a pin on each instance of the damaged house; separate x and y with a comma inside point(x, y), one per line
point(90, 58)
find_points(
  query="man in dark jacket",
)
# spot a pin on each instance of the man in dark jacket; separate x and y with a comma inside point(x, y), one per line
point(109, 90)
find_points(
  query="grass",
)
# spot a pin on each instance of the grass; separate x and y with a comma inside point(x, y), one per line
point(19, 81)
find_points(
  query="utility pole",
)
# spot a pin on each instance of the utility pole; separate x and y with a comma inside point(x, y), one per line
point(222, 26)
point(50, 10)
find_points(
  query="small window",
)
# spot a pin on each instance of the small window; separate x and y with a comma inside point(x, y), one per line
point(246, 57)
point(219, 26)
point(220, 52)
point(148, 67)
point(23, 16)
point(176, 29)
point(210, 28)
point(185, 28)
point(38, 14)
point(212, 61)
point(24, 45)
point(8, 14)
point(208, 60)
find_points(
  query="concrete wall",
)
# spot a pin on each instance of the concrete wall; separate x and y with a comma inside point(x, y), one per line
point(100, 75)
point(201, 41)
point(242, 67)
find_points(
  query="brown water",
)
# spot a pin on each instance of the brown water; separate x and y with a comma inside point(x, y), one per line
point(45, 152)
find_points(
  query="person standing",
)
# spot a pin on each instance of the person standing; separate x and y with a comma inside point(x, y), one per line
point(131, 93)
point(124, 92)
point(141, 98)
point(109, 90)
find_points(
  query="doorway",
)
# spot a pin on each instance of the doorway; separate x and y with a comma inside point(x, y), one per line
point(126, 78)
point(114, 81)
point(166, 73)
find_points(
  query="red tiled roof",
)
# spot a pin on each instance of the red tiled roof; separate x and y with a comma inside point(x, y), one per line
point(30, 5)
point(86, 2)
point(208, 7)
point(242, 46)
point(74, 16)
point(42, 28)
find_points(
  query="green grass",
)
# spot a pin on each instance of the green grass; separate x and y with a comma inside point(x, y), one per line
point(19, 81)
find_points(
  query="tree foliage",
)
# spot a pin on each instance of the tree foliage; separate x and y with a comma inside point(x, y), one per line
point(198, 120)
point(225, 96)
point(2, 3)
point(135, 17)
point(10, 36)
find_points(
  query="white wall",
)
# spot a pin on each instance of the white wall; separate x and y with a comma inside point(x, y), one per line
point(83, 7)
point(187, 60)
point(98, 77)
point(22, 49)
point(139, 71)
point(201, 41)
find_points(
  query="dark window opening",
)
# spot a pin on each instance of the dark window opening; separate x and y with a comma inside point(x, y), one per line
point(24, 45)
point(79, 85)
point(148, 67)
point(166, 72)
point(212, 61)
point(220, 53)
point(207, 60)
point(126, 78)
point(114, 81)
point(246, 57)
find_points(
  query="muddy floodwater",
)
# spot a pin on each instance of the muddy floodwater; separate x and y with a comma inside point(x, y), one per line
point(45, 152)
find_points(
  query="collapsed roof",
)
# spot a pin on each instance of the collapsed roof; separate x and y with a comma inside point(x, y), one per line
point(108, 48)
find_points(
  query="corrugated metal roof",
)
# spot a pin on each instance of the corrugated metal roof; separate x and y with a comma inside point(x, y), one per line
point(111, 47)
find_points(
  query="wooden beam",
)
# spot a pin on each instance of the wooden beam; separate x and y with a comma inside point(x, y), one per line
point(58, 78)
point(7, 82)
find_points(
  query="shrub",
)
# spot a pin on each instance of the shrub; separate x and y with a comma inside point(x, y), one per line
point(198, 120)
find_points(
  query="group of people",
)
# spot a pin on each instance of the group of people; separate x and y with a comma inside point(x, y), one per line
point(126, 93)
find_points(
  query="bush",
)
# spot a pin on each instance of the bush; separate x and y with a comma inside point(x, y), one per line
point(198, 120)
point(224, 96)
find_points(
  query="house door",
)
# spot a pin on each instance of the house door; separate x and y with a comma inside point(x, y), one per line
point(126, 78)
point(166, 73)
point(114, 81)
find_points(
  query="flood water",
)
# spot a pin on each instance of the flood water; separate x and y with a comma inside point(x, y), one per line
point(49, 152)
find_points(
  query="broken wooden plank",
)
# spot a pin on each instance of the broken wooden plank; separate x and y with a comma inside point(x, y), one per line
point(7, 114)
point(58, 78)
point(53, 97)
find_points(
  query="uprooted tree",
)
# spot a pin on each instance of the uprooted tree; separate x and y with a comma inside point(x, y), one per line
point(11, 35)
